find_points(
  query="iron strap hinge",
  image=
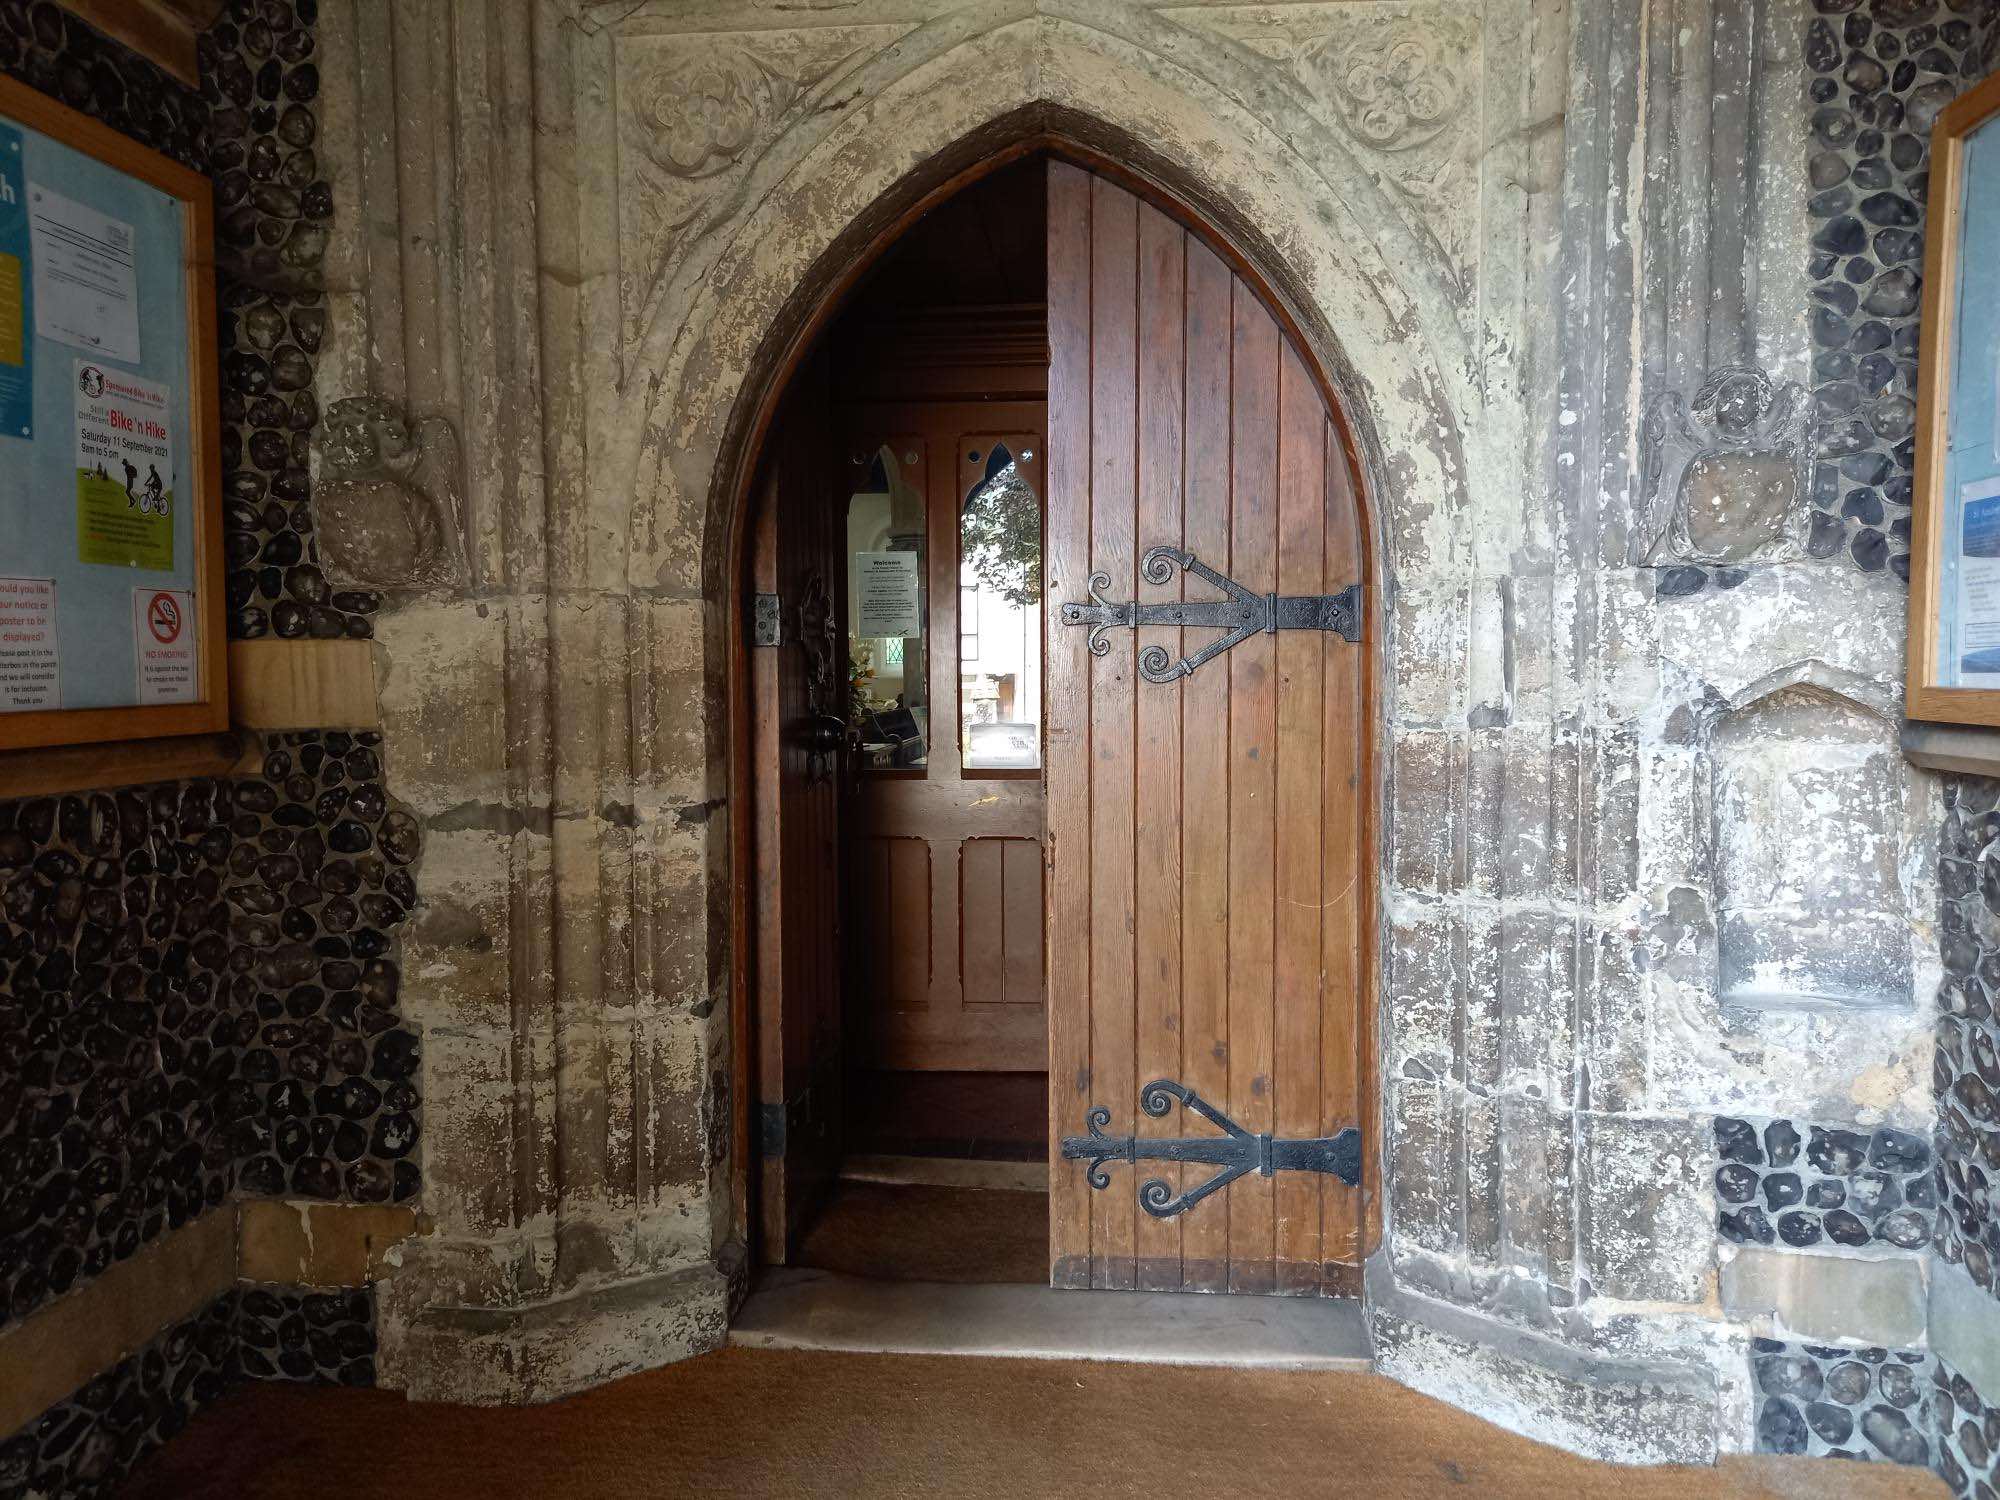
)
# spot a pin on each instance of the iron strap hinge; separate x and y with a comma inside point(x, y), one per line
point(1242, 615)
point(767, 620)
point(1237, 1151)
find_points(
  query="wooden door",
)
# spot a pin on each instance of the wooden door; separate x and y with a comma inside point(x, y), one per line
point(1206, 836)
point(944, 891)
point(795, 685)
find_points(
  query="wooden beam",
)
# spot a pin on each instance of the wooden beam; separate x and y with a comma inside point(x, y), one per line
point(303, 684)
point(49, 769)
point(49, 1355)
point(318, 1244)
point(162, 30)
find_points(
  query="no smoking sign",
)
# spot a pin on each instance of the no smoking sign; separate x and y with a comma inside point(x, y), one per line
point(163, 618)
point(163, 640)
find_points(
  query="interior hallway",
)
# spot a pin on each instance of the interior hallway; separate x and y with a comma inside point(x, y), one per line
point(746, 1422)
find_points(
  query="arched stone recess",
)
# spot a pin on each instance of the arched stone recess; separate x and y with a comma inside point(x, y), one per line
point(1791, 968)
point(699, 174)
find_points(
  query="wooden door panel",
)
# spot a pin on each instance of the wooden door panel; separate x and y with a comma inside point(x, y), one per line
point(890, 896)
point(1000, 921)
point(1253, 723)
point(977, 913)
point(1205, 835)
point(795, 823)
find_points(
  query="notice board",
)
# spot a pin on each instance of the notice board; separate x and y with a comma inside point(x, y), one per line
point(111, 599)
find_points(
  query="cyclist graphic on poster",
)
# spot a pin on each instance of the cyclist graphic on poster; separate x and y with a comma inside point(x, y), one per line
point(121, 426)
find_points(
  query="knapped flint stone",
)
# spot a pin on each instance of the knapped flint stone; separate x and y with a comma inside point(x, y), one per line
point(1735, 1183)
point(400, 837)
point(1736, 1141)
point(1848, 1382)
point(297, 127)
point(1837, 1153)
point(1893, 1436)
point(1864, 74)
point(1780, 1428)
point(1843, 1228)
point(1898, 1385)
point(395, 1055)
point(1781, 1143)
point(1906, 1228)
point(1895, 245)
point(1927, 102)
point(1799, 1229)
point(1845, 235)
point(1894, 294)
point(1898, 1150)
point(1748, 1226)
point(1782, 1189)
point(1833, 1424)
point(1827, 169)
point(1833, 126)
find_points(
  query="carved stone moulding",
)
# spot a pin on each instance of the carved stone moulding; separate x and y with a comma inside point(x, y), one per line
point(386, 506)
point(1724, 475)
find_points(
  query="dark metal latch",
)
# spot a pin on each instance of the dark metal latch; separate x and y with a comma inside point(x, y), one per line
point(1243, 614)
point(1237, 1151)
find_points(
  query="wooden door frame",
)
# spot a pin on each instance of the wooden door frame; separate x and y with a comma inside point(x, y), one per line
point(740, 462)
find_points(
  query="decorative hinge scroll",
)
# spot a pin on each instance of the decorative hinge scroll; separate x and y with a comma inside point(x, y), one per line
point(1237, 1151)
point(1242, 615)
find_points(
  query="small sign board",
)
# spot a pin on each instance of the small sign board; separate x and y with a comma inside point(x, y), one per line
point(888, 597)
point(111, 595)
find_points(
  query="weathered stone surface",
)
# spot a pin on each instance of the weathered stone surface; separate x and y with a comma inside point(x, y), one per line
point(1817, 1296)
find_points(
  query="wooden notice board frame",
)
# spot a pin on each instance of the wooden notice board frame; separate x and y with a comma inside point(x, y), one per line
point(1928, 697)
point(31, 110)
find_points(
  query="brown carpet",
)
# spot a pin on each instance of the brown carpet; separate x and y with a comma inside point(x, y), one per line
point(758, 1423)
point(904, 1233)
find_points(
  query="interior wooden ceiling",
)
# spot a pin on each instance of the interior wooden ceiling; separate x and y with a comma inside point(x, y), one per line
point(964, 290)
point(985, 246)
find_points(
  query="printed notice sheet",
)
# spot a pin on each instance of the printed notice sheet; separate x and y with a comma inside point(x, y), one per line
point(86, 279)
point(1978, 600)
point(887, 598)
point(29, 668)
point(17, 350)
point(124, 470)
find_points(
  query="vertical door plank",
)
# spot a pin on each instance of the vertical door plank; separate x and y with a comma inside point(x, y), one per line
point(982, 942)
point(1066, 691)
point(1157, 790)
point(773, 933)
point(1253, 712)
point(1114, 1067)
point(1300, 786)
point(1204, 701)
point(1343, 1088)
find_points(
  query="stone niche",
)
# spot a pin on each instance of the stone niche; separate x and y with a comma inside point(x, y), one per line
point(1807, 807)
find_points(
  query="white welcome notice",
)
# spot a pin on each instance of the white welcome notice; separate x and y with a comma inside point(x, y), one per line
point(887, 600)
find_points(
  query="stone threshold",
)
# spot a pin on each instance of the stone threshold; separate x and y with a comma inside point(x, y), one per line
point(805, 1309)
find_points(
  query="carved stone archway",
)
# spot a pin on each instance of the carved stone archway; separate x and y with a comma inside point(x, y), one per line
point(701, 179)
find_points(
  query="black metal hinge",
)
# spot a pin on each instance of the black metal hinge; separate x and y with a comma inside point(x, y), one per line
point(1237, 1151)
point(1243, 614)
